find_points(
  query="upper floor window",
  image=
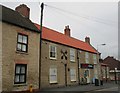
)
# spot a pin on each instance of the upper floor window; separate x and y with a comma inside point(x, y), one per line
point(22, 43)
point(94, 58)
point(87, 57)
point(72, 55)
point(20, 73)
point(52, 52)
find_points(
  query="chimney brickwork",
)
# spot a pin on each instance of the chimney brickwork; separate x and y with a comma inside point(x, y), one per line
point(67, 31)
point(87, 40)
point(23, 10)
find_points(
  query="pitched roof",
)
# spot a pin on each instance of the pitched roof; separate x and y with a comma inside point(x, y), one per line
point(13, 17)
point(52, 35)
point(112, 62)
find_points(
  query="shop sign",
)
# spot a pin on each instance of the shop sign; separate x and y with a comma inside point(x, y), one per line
point(90, 66)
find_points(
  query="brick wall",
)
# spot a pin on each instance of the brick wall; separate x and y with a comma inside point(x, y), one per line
point(0, 56)
point(11, 57)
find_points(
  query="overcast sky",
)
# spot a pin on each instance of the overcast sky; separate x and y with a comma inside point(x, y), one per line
point(98, 20)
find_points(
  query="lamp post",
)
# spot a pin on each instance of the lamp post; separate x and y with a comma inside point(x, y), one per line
point(115, 75)
point(100, 45)
point(98, 59)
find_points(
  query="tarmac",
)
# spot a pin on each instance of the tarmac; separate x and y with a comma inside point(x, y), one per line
point(80, 88)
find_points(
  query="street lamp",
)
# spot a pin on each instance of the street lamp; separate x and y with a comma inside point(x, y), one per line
point(99, 58)
point(100, 45)
point(115, 75)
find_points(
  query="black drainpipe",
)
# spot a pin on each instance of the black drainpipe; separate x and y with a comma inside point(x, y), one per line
point(78, 66)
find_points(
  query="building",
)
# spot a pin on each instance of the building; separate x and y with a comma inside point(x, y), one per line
point(19, 50)
point(104, 71)
point(114, 66)
point(66, 60)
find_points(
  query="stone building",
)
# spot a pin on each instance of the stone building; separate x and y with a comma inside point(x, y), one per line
point(66, 60)
point(19, 51)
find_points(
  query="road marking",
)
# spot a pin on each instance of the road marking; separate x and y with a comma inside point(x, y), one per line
point(107, 89)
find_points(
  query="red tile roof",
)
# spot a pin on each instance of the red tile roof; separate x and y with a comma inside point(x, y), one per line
point(55, 36)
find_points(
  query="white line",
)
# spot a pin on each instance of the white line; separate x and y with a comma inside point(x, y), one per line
point(107, 89)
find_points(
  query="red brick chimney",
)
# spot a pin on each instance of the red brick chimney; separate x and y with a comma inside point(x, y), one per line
point(87, 40)
point(23, 10)
point(67, 30)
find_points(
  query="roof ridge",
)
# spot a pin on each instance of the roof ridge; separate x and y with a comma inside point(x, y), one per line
point(61, 33)
point(56, 36)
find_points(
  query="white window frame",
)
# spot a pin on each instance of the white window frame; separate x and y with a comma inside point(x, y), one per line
point(55, 51)
point(95, 58)
point(72, 74)
point(95, 72)
point(72, 55)
point(87, 57)
point(52, 74)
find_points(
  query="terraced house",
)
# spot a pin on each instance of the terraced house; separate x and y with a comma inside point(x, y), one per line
point(64, 61)
point(19, 55)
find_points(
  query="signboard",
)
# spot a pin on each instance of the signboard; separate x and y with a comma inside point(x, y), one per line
point(90, 66)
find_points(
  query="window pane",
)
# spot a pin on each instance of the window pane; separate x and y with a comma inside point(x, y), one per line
point(22, 78)
point(23, 47)
point(72, 55)
point(19, 38)
point(53, 75)
point(25, 39)
point(19, 46)
point(50, 54)
point(17, 69)
point(52, 48)
point(17, 78)
point(23, 69)
point(53, 54)
point(73, 74)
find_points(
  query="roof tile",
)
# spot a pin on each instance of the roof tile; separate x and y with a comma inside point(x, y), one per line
point(58, 37)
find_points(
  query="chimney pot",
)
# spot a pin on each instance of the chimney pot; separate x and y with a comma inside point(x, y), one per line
point(67, 30)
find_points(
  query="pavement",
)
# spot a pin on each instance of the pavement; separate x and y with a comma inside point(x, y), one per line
point(90, 88)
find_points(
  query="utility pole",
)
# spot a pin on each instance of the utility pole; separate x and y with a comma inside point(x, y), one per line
point(40, 49)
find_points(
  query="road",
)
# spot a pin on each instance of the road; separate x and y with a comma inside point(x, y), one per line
point(110, 90)
point(90, 88)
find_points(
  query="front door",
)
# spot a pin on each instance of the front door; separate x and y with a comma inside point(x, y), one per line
point(87, 74)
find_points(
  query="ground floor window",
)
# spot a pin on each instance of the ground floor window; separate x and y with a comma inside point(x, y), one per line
point(20, 73)
point(53, 75)
point(73, 74)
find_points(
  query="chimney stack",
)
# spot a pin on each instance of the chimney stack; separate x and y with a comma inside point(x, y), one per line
point(67, 30)
point(87, 40)
point(23, 10)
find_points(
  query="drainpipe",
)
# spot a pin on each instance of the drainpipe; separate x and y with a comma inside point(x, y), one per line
point(78, 67)
point(40, 50)
point(65, 74)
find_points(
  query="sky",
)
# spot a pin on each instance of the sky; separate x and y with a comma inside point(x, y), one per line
point(97, 20)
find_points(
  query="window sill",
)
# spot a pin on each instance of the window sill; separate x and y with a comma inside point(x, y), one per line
point(73, 81)
point(19, 52)
point(52, 58)
point(53, 83)
point(18, 85)
point(72, 61)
